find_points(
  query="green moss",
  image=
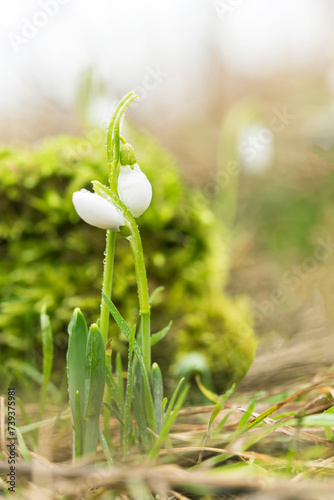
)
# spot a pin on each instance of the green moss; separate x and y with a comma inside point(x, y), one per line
point(49, 256)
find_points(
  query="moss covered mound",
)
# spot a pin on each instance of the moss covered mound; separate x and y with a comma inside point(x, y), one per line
point(49, 256)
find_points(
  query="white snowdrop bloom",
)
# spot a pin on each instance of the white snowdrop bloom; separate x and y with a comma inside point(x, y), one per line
point(134, 189)
point(255, 147)
point(97, 210)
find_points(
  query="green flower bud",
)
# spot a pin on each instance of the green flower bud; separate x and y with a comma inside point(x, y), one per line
point(127, 155)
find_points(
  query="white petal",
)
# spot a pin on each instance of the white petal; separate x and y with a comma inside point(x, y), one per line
point(256, 147)
point(97, 211)
point(134, 189)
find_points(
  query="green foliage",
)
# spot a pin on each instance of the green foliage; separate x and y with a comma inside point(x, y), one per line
point(49, 257)
point(76, 375)
point(47, 345)
point(86, 381)
point(94, 387)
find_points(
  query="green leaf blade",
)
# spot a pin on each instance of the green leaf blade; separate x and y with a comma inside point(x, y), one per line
point(76, 354)
point(156, 337)
point(95, 372)
point(47, 344)
point(158, 395)
point(94, 387)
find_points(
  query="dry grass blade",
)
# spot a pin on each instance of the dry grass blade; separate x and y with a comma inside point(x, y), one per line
point(289, 399)
point(255, 465)
point(77, 481)
point(222, 451)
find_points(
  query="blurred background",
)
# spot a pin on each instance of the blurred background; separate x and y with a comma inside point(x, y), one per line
point(189, 61)
point(241, 92)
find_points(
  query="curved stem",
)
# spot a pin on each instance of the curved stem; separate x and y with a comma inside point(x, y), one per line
point(108, 269)
point(114, 170)
point(113, 159)
point(110, 149)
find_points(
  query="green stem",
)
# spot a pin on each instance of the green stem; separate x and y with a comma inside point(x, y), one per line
point(140, 270)
point(114, 167)
point(110, 146)
point(146, 341)
point(113, 139)
point(143, 294)
point(107, 282)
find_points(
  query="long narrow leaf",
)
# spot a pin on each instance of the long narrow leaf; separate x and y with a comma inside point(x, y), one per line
point(206, 392)
point(174, 396)
point(47, 345)
point(114, 390)
point(94, 387)
point(119, 374)
point(145, 437)
point(223, 422)
point(23, 447)
point(168, 423)
point(127, 332)
point(155, 293)
point(95, 371)
point(76, 354)
point(158, 394)
point(156, 337)
point(219, 406)
point(78, 426)
point(105, 448)
point(129, 387)
point(114, 413)
point(245, 417)
point(120, 386)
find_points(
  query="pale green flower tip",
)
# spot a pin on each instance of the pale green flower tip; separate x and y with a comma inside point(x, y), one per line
point(134, 189)
point(127, 155)
point(97, 210)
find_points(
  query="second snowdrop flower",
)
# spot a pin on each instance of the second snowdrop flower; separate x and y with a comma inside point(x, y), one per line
point(134, 189)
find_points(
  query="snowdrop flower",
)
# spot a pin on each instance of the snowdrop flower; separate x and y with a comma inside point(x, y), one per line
point(134, 189)
point(97, 210)
point(255, 147)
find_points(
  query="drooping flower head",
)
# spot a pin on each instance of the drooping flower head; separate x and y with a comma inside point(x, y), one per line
point(101, 209)
point(97, 210)
point(134, 189)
